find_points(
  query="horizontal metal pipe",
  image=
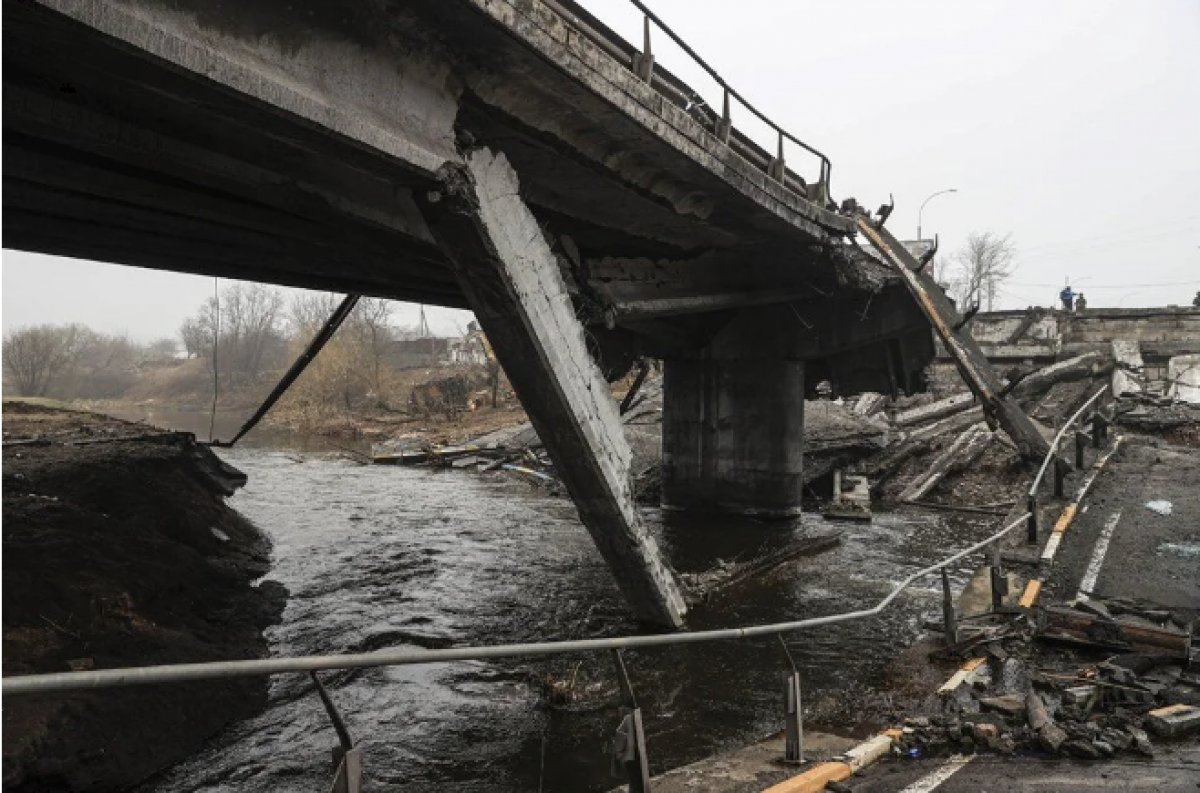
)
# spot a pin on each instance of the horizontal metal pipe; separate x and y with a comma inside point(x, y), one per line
point(1037, 480)
point(25, 685)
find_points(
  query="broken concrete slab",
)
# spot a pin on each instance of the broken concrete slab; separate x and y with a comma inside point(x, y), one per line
point(1174, 720)
point(1009, 704)
point(1129, 370)
point(1183, 377)
point(512, 279)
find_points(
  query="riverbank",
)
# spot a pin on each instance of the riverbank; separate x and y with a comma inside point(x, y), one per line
point(119, 550)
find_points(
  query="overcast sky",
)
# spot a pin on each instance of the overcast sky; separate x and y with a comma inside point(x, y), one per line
point(1072, 126)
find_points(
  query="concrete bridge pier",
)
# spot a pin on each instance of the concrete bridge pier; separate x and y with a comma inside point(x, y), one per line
point(513, 283)
point(733, 432)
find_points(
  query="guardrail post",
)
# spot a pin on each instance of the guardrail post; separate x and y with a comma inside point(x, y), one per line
point(1031, 505)
point(793, 709)
point(643, 62)
point(347, 757)
point(1060, 477)
point(1080, 443)
point(948, 620)
point(629, 743)
point(999, 580)
point(1099, 428)
point(776, 169)
point(726, 123)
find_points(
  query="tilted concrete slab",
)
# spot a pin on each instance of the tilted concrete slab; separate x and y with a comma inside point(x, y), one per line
point(507, 268)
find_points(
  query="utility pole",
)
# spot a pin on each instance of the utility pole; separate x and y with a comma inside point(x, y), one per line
point(423, 332)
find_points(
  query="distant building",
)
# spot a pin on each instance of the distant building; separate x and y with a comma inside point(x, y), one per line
point(471, 349)
point(417, 353)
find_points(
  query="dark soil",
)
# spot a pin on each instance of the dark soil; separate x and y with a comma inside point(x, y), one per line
point(121, 553)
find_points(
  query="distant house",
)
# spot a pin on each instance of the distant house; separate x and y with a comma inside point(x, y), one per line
point(471, 349)
point(417, 353)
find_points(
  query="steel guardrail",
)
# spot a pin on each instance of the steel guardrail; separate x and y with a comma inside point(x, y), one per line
point(1037, 480)
point(24, 685)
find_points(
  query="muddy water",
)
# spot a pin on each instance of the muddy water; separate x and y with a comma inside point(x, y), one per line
point(390, 557)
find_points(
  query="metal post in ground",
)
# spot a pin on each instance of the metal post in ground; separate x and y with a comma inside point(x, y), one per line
point(1031, 506)
point(629, 743)
point(793, 731)
point(1080, 443)
point(1095, 422)
point(948, 621)
point(347, 757)
point(999, 580)
point(1060, 477)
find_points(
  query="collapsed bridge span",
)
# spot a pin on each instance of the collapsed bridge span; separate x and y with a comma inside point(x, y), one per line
point(368, 148)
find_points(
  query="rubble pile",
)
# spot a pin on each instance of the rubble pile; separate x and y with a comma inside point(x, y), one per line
point(1029, 695)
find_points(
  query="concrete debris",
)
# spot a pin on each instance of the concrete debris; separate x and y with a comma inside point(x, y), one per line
point(1183, 376)
point(1173, 720)
point(1025, 697)
point(1129, 371)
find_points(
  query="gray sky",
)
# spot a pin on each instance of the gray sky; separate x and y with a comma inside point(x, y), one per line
point(1072, 126)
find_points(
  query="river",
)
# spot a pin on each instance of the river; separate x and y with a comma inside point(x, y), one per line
point(380, 556)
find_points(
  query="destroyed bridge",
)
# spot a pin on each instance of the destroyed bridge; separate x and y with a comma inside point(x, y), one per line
point(514, 157)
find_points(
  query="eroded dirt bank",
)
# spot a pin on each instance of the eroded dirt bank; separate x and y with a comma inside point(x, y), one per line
point(120, 552)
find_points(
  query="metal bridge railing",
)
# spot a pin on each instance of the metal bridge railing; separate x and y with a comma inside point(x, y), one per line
point(1099, 431)
point(642, 64)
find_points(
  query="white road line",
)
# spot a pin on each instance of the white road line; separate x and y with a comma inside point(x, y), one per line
point(932, 780)
point(1093, 569)
point(1051, 546)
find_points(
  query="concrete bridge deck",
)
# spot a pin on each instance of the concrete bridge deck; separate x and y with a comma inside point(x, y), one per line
point(510, 156)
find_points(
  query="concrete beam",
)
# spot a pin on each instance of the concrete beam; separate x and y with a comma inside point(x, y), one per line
point(513, 282)
point(329, 67)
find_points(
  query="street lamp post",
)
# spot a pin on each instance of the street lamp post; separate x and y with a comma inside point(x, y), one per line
point(926, 201)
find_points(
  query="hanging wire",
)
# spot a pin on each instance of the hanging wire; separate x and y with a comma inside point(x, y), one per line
point(212, 416)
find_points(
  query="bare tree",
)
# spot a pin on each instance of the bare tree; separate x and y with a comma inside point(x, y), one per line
point(979, 268)
point(163, 349)
point(36, 357)
point(371, 330)
point(241, 331)
point(193, 335)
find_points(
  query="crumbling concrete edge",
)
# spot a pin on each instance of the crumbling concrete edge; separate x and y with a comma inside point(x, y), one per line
point(814, 780)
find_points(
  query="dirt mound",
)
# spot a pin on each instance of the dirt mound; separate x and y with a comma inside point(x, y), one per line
point(121, 553)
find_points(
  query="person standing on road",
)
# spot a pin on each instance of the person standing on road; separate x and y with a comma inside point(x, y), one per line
point(1080, 303)
point(1067, 296)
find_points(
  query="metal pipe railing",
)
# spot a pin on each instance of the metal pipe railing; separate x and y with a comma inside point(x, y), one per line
point(1031, 498)
point(681, 94)
point(1037, 480)
point(826, 165)
point(214, 670)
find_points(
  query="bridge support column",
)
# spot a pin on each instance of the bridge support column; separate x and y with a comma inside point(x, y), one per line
point(512, 281)
point(733, 435)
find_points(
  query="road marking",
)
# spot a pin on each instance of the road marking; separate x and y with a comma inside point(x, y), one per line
point(932, 780)
point(1093, 569)
point(1051, 546)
